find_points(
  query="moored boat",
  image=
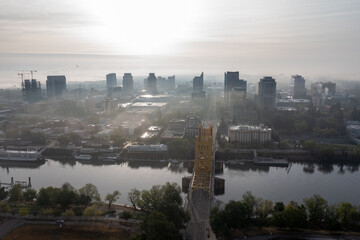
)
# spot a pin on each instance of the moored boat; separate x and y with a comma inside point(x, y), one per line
point(20, 156)
point(83, 157)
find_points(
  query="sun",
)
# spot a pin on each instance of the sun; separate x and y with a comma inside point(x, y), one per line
point(139, 27)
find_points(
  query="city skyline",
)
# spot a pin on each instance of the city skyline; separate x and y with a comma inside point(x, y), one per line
point(256, 37)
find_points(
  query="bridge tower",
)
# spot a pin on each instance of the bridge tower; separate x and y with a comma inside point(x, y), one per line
point(203, 160)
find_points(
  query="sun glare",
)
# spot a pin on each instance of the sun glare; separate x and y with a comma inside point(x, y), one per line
point(140, 27)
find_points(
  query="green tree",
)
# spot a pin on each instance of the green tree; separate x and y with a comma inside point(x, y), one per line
point(66, 196)
point(83, 199)
point(218, 222)
point(316, 208)
point(112, 197)
point(133, 197)
point(278, 216)
point(250, 202)
point(15, 193)
point(264, 209)
point(167, 200)
point(295, 216)
point(310, 145)
point(91, 191)
point(29, 195)
point(236, 214)
point(283, 145)
point(332, 218)
point(156, 226)
point(349, 217)
point(3, 194)
point(47, 196)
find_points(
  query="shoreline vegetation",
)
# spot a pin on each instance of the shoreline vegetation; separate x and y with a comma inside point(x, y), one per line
point(314, 214)
point(159, 212)
point(154, 212)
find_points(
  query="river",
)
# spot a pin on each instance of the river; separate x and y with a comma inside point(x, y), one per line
point(333, 182)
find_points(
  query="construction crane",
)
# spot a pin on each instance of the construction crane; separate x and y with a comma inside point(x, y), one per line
point(27, 71)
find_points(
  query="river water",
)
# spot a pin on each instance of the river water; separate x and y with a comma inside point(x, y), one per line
point(298, 181)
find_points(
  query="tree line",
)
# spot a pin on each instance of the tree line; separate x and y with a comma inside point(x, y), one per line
point(313, 213)
point(66, 200)
point(159, 208)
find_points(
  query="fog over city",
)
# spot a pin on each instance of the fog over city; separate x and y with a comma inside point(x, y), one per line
point(87, 39)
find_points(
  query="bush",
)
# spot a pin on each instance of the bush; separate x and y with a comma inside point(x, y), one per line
point(23, 211)
point(4, 208)
point(68, 213)
point(125, 215)
point(57, 212)
point(46, 212)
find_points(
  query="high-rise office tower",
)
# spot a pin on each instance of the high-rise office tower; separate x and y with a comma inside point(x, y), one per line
point(267, 93)
point(161, 84)
point(231, 81)
point(111, 81)
point(198, 83)
point(171, 82)
point(299, 87)
point(128, 83)
point(237, 103)
point(151, 83)
point(55, 85)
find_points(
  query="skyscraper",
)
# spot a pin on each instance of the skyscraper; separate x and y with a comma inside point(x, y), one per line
point(55, 85)
point(171, 82)
point(267, 93)
point(31, 90)
point(111, 81)
point(237, 106)
point(299, 87)
point(128, 83)
point(232, 80)
point(151, 83)
point(198, 83)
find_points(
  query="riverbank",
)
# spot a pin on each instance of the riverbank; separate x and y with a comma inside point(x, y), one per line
point(68, 232)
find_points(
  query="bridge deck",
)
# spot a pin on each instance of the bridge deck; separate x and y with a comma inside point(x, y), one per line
point(202, 180)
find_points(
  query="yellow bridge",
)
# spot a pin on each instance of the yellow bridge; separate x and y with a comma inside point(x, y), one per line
point(203, 160)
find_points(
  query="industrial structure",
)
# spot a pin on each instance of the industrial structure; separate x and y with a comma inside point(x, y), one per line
point(203, 161)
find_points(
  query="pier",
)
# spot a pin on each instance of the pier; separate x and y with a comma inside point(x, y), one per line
point(24, 184)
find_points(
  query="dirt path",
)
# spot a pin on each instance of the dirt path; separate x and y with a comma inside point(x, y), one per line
point(8, 226)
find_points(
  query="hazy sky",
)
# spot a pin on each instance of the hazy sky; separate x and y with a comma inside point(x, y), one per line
point(314, 37)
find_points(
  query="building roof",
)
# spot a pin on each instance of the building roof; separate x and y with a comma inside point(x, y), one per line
point(249, 128)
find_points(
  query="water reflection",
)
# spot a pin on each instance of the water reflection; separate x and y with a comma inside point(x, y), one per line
point(28, 165)
point(186, 166)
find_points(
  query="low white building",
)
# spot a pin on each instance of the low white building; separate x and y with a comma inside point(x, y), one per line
point(147, 148)
point(249, 134)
